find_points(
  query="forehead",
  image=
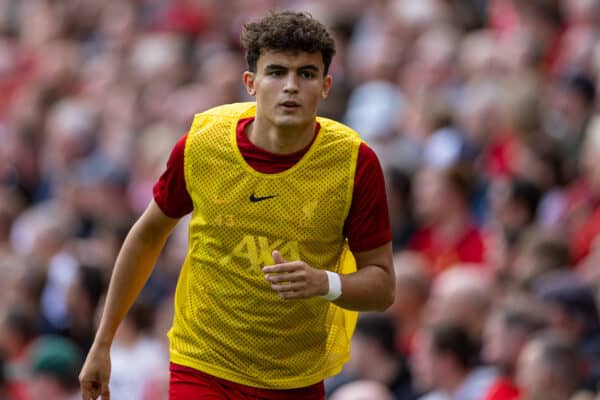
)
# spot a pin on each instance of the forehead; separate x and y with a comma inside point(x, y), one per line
point(290, 59)
point(532, 353)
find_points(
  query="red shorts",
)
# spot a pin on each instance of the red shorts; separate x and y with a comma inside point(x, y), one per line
point(189, 384)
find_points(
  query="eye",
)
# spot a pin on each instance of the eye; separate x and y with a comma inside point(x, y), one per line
point(275, 73)
point(307, 74)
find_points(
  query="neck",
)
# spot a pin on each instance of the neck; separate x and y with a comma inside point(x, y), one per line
point(409, 324)
point(546, 396)
point(453, 382)
point(452, 225)
point(277, 139)
point(384, 371)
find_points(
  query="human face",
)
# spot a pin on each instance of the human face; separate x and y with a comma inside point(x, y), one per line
point(428, 191)
point(502, 344)
point(532, 375)
point(288, 87)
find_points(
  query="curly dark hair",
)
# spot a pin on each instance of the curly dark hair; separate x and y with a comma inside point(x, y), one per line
point(287, 31)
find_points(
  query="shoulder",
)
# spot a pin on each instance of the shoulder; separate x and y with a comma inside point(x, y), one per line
point(434, 396)
point(229, 110)
point(366, 155)
point(333, 127)
point(368, 168)
point(222, 113)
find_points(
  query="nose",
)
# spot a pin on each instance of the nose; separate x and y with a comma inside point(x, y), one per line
point(291, 84)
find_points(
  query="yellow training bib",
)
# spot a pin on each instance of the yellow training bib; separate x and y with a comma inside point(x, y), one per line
point(228, 321)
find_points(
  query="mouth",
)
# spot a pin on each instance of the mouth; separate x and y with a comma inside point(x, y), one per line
point(289, 105)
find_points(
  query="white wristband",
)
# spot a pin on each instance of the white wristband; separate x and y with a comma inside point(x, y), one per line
point(335, 286)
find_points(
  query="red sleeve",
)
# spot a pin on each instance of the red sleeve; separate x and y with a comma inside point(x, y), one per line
point(368, 224)
point(170, 192)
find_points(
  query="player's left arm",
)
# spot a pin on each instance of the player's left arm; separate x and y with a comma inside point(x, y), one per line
point(368, 231)
point(372, 286)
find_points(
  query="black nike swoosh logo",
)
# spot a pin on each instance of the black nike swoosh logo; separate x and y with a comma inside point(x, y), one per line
point(256, 199)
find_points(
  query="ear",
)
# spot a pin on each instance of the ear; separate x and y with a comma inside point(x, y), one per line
point(327, 82)
point(248, 78)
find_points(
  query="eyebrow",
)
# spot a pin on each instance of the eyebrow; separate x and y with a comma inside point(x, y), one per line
point(310, 67)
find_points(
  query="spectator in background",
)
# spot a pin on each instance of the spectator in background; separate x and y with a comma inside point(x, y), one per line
point(83, 298)
point(19, 327)
point(6, 391)
point(580, 36)
point(442, 144)
point(588, 269)
point(41, 235)
point(537, 254)
point(549, 368)
point(98, 181)
point(582, 214)
point(516, 103)
point(399, 192)
point(377, 102)
point(432, 67)
point(541, 162)
point(461, 295)
point(18, 331)
point(515, 207)
point(569, 106)
point(445, 364)
point(412, 294)
point(55, 365)
point(540, 25)
point(509, 327)
point(137, 357)
point(11, 205)
point(374, 358)
point(363, 390)
point(70, 138)
point(572, 312)
point(447, 233)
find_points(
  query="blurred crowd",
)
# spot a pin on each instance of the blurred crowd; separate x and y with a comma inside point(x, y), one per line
point(484, 114)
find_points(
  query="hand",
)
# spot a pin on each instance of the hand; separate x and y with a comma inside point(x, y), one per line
point(95, 374)
point(295, 279)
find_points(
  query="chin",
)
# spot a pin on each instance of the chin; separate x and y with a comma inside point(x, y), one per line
point(287, 122)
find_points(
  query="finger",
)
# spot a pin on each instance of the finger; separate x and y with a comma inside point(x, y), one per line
point(89, 390)
point(286, 277)
point(287, 267)
point(105, 395)
point(293, 294)
point(89, 395)
point(277, 257)
point(288, 287)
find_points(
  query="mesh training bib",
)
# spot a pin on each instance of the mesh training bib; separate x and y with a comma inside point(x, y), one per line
point(228, 321)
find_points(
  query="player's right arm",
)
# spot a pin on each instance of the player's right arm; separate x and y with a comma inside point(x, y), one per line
point(133, 267)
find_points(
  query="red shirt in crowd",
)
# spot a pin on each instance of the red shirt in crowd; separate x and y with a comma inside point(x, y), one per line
point(441, 254)
point(581, 219)
point(502, 389)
